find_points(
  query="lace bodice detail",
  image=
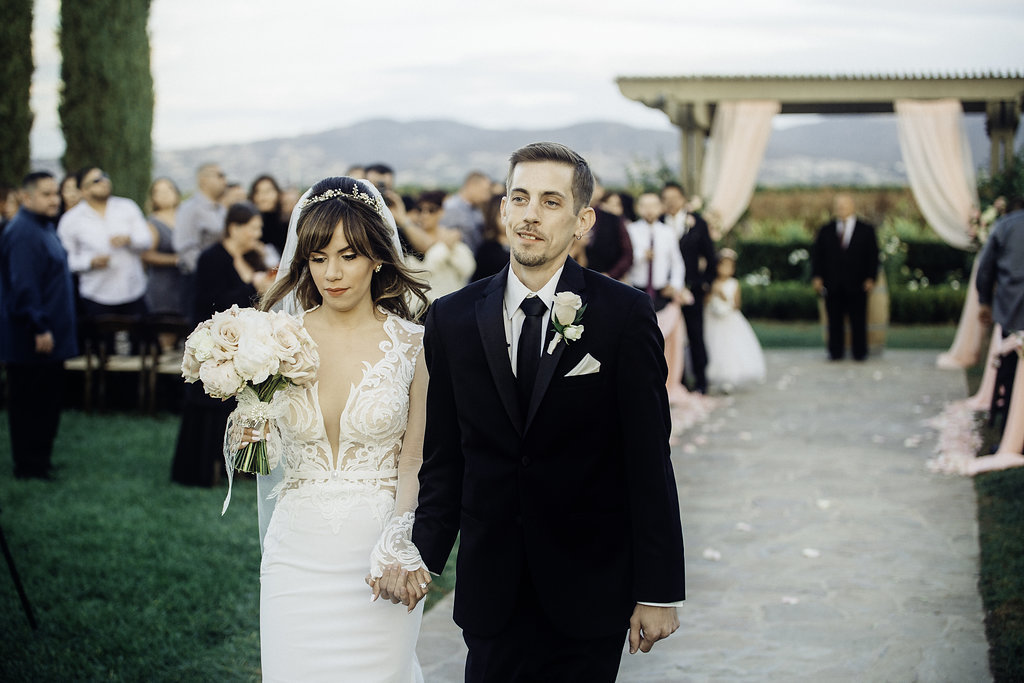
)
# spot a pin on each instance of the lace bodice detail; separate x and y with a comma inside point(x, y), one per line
point(372, 427)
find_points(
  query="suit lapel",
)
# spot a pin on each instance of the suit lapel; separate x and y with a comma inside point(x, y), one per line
point(491, 323)
point(571, 281)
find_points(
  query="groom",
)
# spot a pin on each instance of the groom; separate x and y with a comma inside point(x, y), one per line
point(549, 450)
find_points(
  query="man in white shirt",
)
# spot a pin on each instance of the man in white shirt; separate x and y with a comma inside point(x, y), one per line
point(105, 237)
point(657, 263)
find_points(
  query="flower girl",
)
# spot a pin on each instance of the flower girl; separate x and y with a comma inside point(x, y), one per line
point(734, 354)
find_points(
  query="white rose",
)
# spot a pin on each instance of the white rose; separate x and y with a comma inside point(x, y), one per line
point(256, 359)
point(302, 368)
point(286, 336)
point(573, 332)
point(201, 343)
point(565, 306)
point(225, 333)
point(220, 379)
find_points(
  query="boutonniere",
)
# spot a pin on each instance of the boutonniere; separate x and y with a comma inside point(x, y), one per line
point(566, 312)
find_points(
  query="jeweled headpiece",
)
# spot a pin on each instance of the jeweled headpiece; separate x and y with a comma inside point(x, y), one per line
point(356, 194)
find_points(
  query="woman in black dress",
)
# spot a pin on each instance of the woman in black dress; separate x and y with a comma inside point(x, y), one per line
point(228, 272)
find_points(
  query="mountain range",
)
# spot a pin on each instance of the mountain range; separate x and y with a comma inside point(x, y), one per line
point(834, 150)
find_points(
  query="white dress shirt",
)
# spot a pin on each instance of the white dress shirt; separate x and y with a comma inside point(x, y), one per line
point(844, 228)
point(86, 234)
point(677, 222)
point(668, 261)
point(515, 293)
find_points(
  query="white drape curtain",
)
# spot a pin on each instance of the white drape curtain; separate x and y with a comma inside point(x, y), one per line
point(739, 134)
point(939, 165)
point(933, 141)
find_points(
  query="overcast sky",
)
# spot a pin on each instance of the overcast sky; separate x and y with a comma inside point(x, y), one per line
point(240, 70)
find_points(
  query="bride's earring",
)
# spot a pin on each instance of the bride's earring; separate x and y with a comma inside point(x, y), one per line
point(377, 269)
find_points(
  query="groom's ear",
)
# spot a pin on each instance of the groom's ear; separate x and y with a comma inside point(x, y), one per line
point(586, 219)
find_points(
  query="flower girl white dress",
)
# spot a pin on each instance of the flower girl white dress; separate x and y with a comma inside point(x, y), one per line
point(734, 354)
point(333, 518)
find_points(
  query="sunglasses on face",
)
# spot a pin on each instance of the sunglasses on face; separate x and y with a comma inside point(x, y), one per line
point(99, 178)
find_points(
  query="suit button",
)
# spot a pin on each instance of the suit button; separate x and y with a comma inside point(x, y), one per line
point(526, 461)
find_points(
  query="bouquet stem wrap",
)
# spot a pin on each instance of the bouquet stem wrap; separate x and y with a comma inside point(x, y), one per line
point(256, 408)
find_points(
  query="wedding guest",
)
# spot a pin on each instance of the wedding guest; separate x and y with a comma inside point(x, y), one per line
point(609, 250)
point(463, 210)
point(105, 237)
point(8, 205)
point(736, 357)
point(493, 253)
point(233, 194)
point(1001, 292)
point(37, 324)
point(356, 171)
point(658, 269)
point(70, 195)
point(844, 264)
point(699, 257)
point(265, 194)
point(163, 290)
point(382, 176)
point(226, 274)
point(448, 263)
point(199, 224)
point(619, 204)
point(289, 198)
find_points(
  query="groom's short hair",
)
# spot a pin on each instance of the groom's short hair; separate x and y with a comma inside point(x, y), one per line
point(582, 178)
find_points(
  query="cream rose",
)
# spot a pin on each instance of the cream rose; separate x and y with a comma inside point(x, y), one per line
point(225, 333)
point(573, 332)
point(256, 359)
point(220, 379)
point(565, 306)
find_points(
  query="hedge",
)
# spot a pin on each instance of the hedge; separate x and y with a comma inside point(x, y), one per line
point(798, 301)
point(934, 260)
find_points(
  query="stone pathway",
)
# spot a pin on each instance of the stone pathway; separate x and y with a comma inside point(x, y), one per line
point(818, 546)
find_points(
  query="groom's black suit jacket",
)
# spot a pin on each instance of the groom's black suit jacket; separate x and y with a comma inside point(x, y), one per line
point(579, 491)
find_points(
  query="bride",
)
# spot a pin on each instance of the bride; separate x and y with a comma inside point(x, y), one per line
point(345, 453)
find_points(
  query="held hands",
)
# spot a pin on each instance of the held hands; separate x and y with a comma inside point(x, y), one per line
point(650, 624)
point(100, 262)
point(985, 314)
point(869, 284)
point(819, 285)
point(118, 241)
point(400, 586)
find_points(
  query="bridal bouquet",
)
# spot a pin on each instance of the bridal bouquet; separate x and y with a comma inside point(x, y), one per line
point(250, 355)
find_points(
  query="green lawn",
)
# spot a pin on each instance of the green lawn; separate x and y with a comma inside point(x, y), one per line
point(130, 577)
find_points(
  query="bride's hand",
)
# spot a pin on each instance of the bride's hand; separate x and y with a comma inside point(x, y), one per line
point(393, 585)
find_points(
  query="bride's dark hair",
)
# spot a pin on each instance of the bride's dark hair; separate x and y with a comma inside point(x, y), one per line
point(394, 288)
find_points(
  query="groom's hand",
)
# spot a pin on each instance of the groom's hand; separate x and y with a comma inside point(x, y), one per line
point(650, 624)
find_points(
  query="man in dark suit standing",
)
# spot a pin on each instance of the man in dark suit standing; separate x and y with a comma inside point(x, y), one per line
point(844, 266)
point(37, 324)
point(547, 447)
point(698, 252)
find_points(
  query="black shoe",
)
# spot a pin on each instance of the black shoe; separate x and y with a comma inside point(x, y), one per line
point(45, 475)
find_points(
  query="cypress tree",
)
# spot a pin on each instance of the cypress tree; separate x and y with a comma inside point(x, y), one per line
point(16, 68)
point(106, 106)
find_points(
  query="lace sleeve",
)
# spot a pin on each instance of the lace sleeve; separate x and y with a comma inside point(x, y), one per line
point(395, 545)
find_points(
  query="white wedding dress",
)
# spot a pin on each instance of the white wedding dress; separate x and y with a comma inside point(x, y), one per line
point(334, 520)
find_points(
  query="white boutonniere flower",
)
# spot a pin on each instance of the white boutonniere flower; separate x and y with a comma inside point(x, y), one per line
point(566, 313)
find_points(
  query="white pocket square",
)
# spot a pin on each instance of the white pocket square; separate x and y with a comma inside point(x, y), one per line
point(588, 366)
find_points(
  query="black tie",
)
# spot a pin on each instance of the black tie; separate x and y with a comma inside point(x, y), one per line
point(528, 357)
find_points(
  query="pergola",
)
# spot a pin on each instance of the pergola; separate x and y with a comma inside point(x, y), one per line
point(690, 101)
